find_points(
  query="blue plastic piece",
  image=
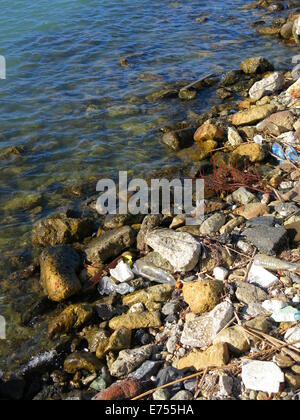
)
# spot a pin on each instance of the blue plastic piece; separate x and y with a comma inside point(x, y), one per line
point(278, 151)
point(291, 154)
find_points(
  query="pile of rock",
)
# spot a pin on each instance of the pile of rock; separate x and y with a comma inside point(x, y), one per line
point(146, 302)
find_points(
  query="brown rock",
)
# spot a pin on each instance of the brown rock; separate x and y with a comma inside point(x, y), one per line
point(59, 266)
point(293, 380)
point(198, 152)
point(252, 210)
point(203, 296)
point(247, 152)
point(136, 321)
point(256, 65)
point(82, 361)
point(215, 356)
point(209, 131)
point(277, 123)
point(253, 115)
point(60, 229)
point(110, 245)
point(72, 318)
point(235, 338)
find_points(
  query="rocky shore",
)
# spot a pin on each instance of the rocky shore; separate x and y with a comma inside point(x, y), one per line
point(147, 307)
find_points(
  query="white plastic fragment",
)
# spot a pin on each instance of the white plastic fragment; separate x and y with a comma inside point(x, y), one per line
point(274, 305)
point(262, 376)
point(107, 287)
point(220, 273)
point(288, 314)
point(261, 277)
point(122, 272)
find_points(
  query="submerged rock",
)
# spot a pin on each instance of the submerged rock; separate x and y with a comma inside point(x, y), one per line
point(119, 340)
point(59, 266)
point(182, 250)
point(60, 229)
point(110, 245)
point(72, 318)
point(256, 65)
point(198, 152)
point(82, 361)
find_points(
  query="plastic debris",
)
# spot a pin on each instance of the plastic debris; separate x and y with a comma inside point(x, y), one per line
point(291, 154)
point(153, 273)
point(261, 277)
point(277, 150)
point(107, 286)
point(275, 264)
point(288, 314)
point(122, 272)
point(262, 376)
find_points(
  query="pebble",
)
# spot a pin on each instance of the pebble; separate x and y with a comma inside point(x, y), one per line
point(182, 396)
point(161, 395)
point(201, 331)
point(202, 296)
point(220, 273)
point(213, 224)
point(293, 334)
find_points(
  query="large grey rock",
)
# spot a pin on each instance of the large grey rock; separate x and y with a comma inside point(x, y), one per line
point(270, 240)
point(201, 331)
point(130, 360)
point(267, 86)
point(150, 222)
point(181, 249)
point(110, 245)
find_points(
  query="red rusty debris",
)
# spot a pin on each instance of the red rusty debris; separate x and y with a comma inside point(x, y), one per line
point(123, 390)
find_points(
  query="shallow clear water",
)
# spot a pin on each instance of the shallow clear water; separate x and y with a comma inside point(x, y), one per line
point(78, 114)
